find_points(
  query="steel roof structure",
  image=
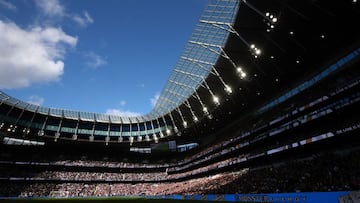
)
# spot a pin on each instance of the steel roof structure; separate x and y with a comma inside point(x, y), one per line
point(243, 57)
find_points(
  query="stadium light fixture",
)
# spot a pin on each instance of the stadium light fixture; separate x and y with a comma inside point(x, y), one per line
point(155, 138)
point(107, 139)
point(10, 128)
point(176, 129)
point(57, 135)
point(216, 100)
point(271, 21)
point(205, 110)
point(243, 75)
point(161, 134)
point(120, 139)
point(41, 133)
point(228, 89)
point(255, 50)
point(241, 72)
point(26, 131)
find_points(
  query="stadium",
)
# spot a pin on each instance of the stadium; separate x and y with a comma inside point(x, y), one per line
point(262, 100)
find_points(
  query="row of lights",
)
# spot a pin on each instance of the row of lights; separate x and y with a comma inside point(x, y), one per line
point(240, 72)
point(271, 21)
point(12, 128)
point(255, 51)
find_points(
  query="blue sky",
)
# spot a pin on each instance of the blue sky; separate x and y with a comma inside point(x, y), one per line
point(103, 56)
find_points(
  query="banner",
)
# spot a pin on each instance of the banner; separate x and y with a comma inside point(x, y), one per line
point(301, 197)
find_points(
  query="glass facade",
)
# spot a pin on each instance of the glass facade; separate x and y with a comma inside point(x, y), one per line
point(199, 55)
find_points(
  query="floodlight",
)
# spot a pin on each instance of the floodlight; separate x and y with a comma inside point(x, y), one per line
point(161, 134)
point(216, 100)
point(228, 89)
point(205, 110)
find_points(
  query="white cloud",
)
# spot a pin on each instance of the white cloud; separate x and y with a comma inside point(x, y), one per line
point(32, 55)
point(36, 100)
point(83, 21)
point(94, 61)
point(154, 99)
point(7, 5)
point(51, 8)
point(121, 112)
point(54, 9)
point(122, 103)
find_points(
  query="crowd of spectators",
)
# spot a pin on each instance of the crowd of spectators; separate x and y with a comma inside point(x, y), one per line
point(119, 176)
point(326, 172)
point(116, 189)
point(109, 164)
point(322, 172)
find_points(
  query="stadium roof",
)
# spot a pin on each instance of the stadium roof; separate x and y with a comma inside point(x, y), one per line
point(243, 57)
point(195, 63)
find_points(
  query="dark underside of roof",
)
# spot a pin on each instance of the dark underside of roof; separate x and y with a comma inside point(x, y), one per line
point(308, 37)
